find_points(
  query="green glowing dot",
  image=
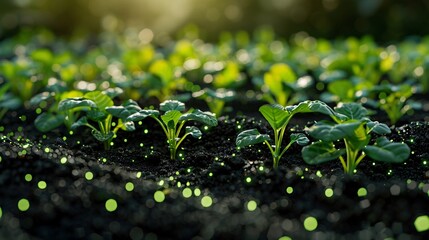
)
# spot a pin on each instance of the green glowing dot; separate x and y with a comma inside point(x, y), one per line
point(64, 138)
point(289, 190)
point(422, 223)
point(319, 174)
point(129, 186)
point(285, 238)
point(111, 205)
point(38, 110)
point(210, 174)
point(261, 168)
point(187, 193)
point(310, 224)
point(197, 192)
point(23, 205)
point(248, 179)
point(63, 160)
point(71, 132)
point(1, 213)
point(139, 174)
point(206, 128)
point(329, 192)
point(159, 196)
point(28, 177)
point(252, 205)
point(47, 150)
point(89, 176)
point(146, 131)
point(161, 182)
point(206, 201)
point(362, 192)
point(41, 184)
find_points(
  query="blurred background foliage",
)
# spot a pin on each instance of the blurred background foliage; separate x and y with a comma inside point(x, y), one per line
point(385, 20)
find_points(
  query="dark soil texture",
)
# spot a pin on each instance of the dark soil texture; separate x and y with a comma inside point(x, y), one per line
point(215, 191)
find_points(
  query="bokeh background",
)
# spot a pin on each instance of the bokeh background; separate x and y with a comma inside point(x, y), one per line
point(385, 20)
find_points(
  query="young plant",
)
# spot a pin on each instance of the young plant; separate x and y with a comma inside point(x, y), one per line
point(281, 85)
point(394, 100)
point(351, 125)
point(7, 100)
point(278, 117)
point(98, 107)
point(173, 121)
point(215, 99)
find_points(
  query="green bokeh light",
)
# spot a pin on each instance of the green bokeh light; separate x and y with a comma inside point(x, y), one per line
point(129, 186)
point(422, 223)
point(111, 205)
point(23, 205)
point(187, 193)
point(159, 196)
point(206, 201)
point(41, 184)
point(310, 224)
point(252, 205)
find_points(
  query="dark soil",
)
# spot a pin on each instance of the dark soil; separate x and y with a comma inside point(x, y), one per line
point(73, 207)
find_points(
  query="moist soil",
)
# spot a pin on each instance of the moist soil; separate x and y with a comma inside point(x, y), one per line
point(214, 191)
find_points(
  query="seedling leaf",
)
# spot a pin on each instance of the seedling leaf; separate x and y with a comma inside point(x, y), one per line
point(207, 118)
point(386, 151)
point(320, 152)
point(250, 137)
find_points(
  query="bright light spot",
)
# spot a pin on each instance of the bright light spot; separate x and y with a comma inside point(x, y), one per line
point(206, 201)
point(310, 224)
point(248, 179)
point(146, 35)
point(252, 205)
point(111, 205)
point(187, 193)
point(23, 205)
point(63, 160)
point(329, 192)
point(129, 186)
point(89, 176)
point(41, 184)
point(197, 192)
point(28, 177)
point(285, 238)
point(159, 196)
point(47, 150)
point(289, 190)
point(362, 192)
point(422, 223)
point(1, 213)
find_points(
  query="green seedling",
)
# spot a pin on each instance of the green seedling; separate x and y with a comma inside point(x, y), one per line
point(281, 85)
point(7, 100)
point(173, 121)
point(394, 100)
point(278, 117)
point(215, 99)
point(352, 126)
point(98, 108)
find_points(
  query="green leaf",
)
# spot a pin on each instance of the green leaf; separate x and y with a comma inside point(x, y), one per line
point(37, 99)
point(128, 126)
point(379, 128)
point(343, 89)
point(97, 115)
point(102, 137)
point(250, 137)
point(320, 152)
point(352, 110)
point(171, 118)
point(299, 138)
point(194, 131)
point(45, 122)
point(83, 121)
point(313, 106)
point(207, 118)
point(10, 101)
point(386, 151)
point(128, 108)
point(142, 114)
point(275, 114)
point(71, 103)
point(172, 105)
point(101, 100)
point(329, 133)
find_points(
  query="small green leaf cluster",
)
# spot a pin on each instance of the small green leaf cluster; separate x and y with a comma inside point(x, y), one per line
point(173, 120)
point(278, 117)
point(352, 126)
point(97, 107)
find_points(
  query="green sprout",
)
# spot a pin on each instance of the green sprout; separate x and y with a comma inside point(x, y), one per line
point(278, 117)
point(173, 121)
point(98, 107)
point(352, 126)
